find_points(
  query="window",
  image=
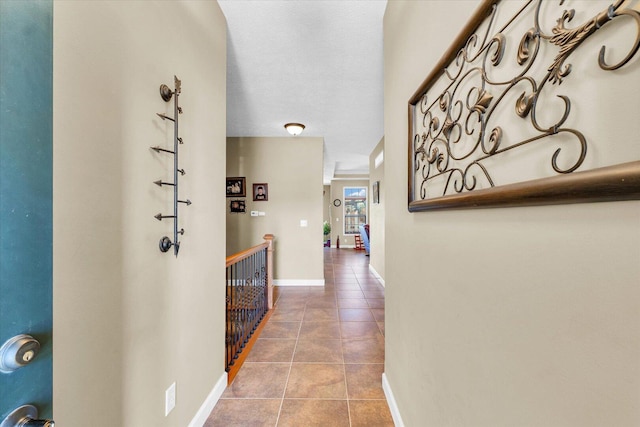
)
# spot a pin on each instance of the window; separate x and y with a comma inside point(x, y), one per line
point(355, 209)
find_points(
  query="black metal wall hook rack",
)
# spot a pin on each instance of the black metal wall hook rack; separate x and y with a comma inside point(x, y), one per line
point(166, 93)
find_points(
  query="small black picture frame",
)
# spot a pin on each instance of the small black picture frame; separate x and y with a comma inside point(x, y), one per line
point(236, 186)
point(260, 192)
point(237, 206)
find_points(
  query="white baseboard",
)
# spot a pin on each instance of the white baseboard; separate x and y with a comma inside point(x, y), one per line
point(298, 282)
point(210, 402)
point(391, 401)
point(375, 273)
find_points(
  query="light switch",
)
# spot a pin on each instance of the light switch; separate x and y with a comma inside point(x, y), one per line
point(254, 213)
point(303, 223)
point(261, 214)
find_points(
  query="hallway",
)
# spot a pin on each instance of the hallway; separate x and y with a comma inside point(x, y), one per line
point(319, 361)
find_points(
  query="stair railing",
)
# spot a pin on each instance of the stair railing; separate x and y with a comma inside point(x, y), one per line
point(249, 296)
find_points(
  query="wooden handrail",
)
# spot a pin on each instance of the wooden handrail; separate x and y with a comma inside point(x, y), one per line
point(233, 259)
point(268, 244)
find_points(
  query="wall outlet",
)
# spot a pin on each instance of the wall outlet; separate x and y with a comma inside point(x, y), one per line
point(169, 399)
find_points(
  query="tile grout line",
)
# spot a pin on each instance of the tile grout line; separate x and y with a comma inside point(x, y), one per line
point(286, 383)
point(344, 365)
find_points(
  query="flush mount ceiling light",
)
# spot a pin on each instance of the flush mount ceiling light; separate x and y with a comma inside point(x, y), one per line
point(294, 128)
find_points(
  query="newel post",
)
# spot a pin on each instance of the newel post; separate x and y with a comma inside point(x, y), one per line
point(269, 238)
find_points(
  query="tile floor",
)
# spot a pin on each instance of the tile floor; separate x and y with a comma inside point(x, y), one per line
point(319, 360)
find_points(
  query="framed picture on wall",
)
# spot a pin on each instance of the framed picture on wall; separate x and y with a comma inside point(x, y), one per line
point(260, 192)
point(237, 206)
point(236, 187)
point(376, 192)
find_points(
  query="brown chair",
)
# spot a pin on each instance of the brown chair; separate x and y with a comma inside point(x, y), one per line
point(359, 245)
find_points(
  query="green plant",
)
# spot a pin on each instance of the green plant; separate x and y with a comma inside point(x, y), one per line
point(327, 228)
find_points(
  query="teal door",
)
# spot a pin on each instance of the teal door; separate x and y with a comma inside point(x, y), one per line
point(26, 68)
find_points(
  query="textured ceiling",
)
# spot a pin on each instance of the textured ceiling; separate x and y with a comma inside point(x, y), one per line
point(309, 61)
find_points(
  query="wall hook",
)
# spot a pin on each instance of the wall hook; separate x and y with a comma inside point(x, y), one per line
point(165, 244)
point(158, 149)
point(164, 117)
point(165, 92)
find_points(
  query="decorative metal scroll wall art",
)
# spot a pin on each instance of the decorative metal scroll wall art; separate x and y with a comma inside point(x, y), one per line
point(456, 137)
point(166, 93)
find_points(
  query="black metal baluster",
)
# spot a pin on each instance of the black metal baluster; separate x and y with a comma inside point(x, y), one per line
point(228, 338)
point(243, 305)
point(247, 296)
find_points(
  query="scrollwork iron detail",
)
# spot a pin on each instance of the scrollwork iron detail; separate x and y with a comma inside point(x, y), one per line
point(456, 132)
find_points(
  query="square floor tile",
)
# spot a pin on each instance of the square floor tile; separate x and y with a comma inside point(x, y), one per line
point(349, 294)
point(373, 293)
point(290, 304)
point(244, 412)
point(375, 302)
point(321, 302)
point(347, 287)
point(320, 315)
point(346, 279)
point(368, 413)
point(272, 350)
point(352, 303)
point(356, 315)
point(369, 281)
point(280, 330)
point(287, 314)
point(359, 330)
point(259, 380)
point(363, 350)
point(364, 381)
point(378, 314)
point(319, 351)
point(293, 294)
point(316, 381)
point(314, 413)
point(320, 330)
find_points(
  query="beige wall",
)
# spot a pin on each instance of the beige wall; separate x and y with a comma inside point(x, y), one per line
point(129, 320)
point(337, 213)
point(376, 213)
point(504, 317)
point(293, 169)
